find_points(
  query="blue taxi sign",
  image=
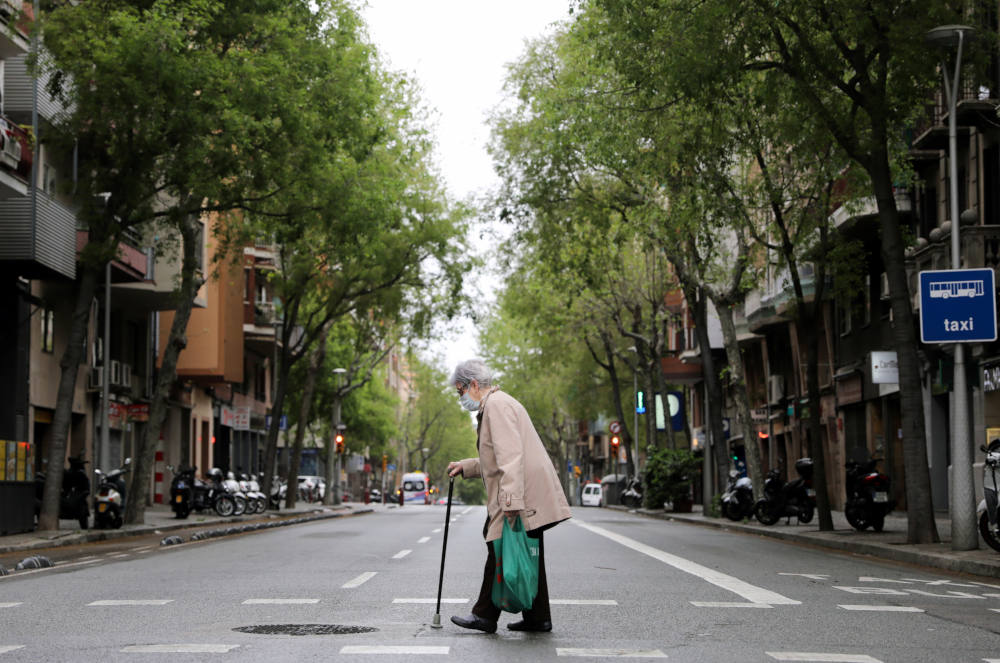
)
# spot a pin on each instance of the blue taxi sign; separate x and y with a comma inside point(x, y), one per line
point(958, 306)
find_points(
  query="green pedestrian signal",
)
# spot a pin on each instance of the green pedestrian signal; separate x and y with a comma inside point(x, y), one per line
point(640, 403)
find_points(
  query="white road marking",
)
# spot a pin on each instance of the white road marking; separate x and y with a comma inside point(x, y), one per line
point(360, 580)
point(820, 657)
point(401, 554)
point(119, 556)
point(881, 608)
point(424, 539)
point(466, 511)
point(88, 557)
point(750, 592)
point(132, 602)
point(454, 519)
point(143, 552)
point(610, 653)
point(871, 590)
point(179, 649)
point(582, 602)
point(142, 549)
point(995, 609)
point(811, 576)
point(10, 605)
point(6, 648)
point(430, 600)
point(728, 604)
point(395, 649)
point(436, 531)
point(991, 660)
point(279, 601)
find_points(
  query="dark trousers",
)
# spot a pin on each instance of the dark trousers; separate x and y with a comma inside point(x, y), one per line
point(539, 611)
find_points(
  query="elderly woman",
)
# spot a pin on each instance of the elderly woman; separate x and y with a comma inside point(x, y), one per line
point(520, 481)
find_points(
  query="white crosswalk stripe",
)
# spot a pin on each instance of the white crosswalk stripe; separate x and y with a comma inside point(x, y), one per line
point(820, 657)
point(729, 604)
point(179, 649)
point(881, 608)
point(116, 602)
point(280, 601)
point(609, 653)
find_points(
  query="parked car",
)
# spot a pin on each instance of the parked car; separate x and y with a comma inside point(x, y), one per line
point(591, 495)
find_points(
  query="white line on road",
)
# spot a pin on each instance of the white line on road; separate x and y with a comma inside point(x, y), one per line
point(813, 657)
point(6, 648)
point(279, 601)
point(466, 511)
point(750, 592)
point(729, 604)
point(881, 608)
point(360, 580)
point(395, 649)
point(88, 557)
point(9, 605)
point(430, 600)
point(179, 649)
point(142, 549)
point(424, 539)
point(582, 602)
point(132, 602)
point(436, 531)
point(401, 554)
point(143, 552)
point(610, 653)
point(119, 556)
point(991, 660)
point(995, 609)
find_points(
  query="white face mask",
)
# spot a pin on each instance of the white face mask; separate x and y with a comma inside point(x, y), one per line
point(469, 404)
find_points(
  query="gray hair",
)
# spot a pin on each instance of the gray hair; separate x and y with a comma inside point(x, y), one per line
point(472, 369)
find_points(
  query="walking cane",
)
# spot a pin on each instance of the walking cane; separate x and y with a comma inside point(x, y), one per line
point(444, 548)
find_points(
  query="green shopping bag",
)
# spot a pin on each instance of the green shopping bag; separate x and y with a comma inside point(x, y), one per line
point(516, 582)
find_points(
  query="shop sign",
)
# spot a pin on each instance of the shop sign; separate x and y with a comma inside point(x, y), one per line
point(885, 368)
point(991, 376)
point(138, 412)
point(849, 390)
point(237, 418)
point(15, 461)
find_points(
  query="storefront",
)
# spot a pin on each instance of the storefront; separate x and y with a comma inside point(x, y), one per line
point(990, 371)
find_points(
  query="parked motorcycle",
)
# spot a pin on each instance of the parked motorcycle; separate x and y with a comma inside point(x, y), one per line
point(279, 489)
point(784, 500)
point(109, 504)
point(232, 486)
point(190, 494)
point(73, 499)
point(868, 495)
point(988, 516)
point(632, 495)
point(737, 501)
point(256, 502)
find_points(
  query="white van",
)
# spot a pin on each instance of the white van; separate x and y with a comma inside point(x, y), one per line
point(416, 488)
point(591, 495)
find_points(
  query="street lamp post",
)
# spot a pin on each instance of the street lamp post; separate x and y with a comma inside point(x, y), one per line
point(337, 426)
point(964, 535)
point(635, 413)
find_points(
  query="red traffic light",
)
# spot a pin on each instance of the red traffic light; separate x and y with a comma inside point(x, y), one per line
point(615, 441)
point(340, 443)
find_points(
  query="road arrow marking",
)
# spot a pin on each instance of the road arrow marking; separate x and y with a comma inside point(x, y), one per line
point(360, 580)
point(610, 653)
point(750, 592)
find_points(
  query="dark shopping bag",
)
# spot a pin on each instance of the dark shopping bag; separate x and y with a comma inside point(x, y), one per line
point(516, 583)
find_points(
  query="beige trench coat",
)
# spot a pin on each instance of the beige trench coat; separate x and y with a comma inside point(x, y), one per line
point(515, 467)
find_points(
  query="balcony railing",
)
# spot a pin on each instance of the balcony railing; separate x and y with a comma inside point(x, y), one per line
point(979, 247)
point(47, 245)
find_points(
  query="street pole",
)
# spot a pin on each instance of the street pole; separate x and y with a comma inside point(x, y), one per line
point(635, 422)
point(337, 427)
point(964, 534)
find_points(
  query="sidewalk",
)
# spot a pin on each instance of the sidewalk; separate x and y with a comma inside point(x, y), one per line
point(889, 544)
point(160, 519)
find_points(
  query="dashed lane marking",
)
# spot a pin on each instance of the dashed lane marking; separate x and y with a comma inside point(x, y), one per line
point(749, 592)
point(424, 539)
point(582, 602)
point(179, 649)
point(430, 600)
point(467, 510)
point(819, 657)
point(436, 531)
point(360, 580)
point(729, 604)
point(881, 608)
point(280, 601)
point(108, 602)
point(6, 648)
point(395, 649)
point(995, 610)
point(10, 605)
point(610, 653)
point(401, 554)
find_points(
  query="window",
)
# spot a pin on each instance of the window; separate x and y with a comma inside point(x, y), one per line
point(867, 313)
point(49, 180)
point(844, 315)
point(48, 330)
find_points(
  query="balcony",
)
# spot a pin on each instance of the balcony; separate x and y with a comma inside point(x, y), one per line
point(19, 87)
point(976, 107)
point(16, 159)
point(979, 245)
point(42, 247)
point(860, 209)
point(259, 320)
point(15, 18)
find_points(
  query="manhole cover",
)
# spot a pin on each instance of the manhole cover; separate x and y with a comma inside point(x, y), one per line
point(304, 629)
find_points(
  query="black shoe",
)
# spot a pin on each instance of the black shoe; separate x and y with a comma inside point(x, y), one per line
point(531, 627)
point(477, 623)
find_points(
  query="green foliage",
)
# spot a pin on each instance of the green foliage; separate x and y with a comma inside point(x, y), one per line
point(668, 476)
point(470, 491)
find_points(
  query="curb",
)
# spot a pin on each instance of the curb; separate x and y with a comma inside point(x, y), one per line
point(955, 561)
point(238, 524)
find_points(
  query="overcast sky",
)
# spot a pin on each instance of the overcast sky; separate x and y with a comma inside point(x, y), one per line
point(456, 50)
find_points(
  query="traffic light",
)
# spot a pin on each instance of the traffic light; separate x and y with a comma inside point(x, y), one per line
point(340, 442)
point(385, 462)
point(640, 402)
point(615, 441)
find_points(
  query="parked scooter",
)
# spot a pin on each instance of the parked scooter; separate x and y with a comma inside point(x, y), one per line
point(784, 500)
point(232, 487)
point(989, 519)
point(868, 495)
point(109, 504)
point(73, 499)
point(256, 502)
point(737, 501)
point(190, 494)
point(279, 489)
point(632, 495)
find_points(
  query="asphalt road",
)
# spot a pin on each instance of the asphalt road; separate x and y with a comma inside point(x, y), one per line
point(621, 584)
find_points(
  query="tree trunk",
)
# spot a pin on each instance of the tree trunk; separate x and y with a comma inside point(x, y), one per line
point(332, 469)
point(309, 389)
point(69, 364)
point(135, 505)
point(738, 386)
point(713, 386)
point(269, 471)
point(921, 527)
point(809, 324)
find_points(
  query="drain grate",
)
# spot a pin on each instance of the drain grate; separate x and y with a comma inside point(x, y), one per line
point(304, 629)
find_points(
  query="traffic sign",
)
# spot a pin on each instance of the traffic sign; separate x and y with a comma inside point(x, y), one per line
point(615, 427)
point(958, 306)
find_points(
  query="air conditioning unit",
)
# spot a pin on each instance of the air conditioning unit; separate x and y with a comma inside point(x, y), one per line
point(126, 375)
point(95, 379)
point(776, 388)
point(884, 290)
point(116, 372)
